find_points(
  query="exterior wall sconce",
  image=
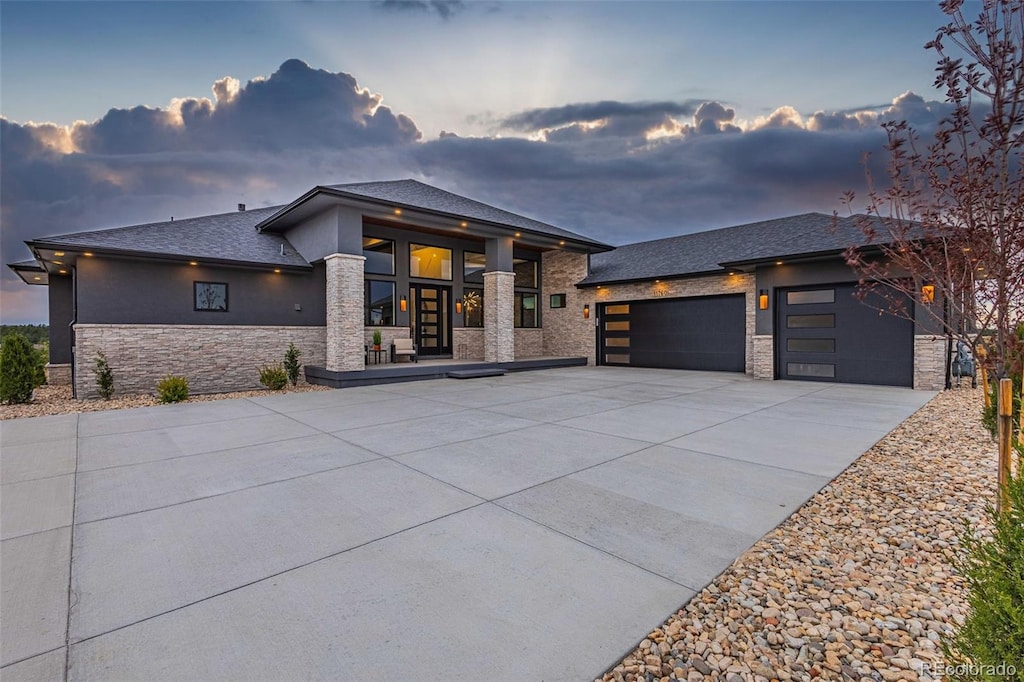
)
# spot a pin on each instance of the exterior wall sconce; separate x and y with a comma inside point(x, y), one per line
point(586, 311)
point(762, 299)
point(458, 306)
point(403, 305)
point(928, 293)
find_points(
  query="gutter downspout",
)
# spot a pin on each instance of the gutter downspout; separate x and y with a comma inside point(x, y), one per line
point(71, 326)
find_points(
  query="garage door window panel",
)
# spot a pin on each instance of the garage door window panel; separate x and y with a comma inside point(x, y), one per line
point(812, 296)
point(811, 321)
point(811, 345)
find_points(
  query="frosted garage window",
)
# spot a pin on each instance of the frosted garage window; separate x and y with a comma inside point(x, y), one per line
point(617, 358)
point(811, 345)
point(816, 296)
point(810, 321)
point(811, 369)
point(622, 309)
point(616, 326)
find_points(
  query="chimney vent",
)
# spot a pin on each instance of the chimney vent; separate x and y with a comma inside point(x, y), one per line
point(241, 207)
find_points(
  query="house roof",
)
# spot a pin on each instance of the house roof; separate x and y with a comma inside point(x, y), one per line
point(227, 237)
point(714, 250)
point(415, 195)
point(30, 272)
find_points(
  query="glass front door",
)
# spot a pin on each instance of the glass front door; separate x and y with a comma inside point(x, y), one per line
point(430, 321)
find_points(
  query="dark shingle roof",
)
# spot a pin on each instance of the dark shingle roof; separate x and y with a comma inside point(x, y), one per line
point(703, 252)
point(417, 195)
point(225, 237)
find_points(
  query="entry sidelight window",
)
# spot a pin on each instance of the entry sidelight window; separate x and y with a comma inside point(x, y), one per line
point(380, 303)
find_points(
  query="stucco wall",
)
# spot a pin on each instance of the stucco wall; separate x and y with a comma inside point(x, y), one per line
point(62, 311)
point(121, 291)
point(214, 358)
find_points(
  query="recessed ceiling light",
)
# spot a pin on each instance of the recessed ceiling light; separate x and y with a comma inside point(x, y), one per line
point(398, 211)
point(731, 274)
point(561, 243)
point(57, 262)
point(63, 272)
point(463, 224)
point(277, 270)
point(517, 234)
point(58, 253)
point(87, 254)
point(37, 278)
point(192, 262)
point(778, 262)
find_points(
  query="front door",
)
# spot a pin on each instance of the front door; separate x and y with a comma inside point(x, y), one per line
point(431, 324)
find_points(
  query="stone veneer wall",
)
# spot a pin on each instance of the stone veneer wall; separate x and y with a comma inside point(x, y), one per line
point(499, 317)
point(214, 358)
point(566, 333)
point(697, 286)
point(387, 334)
point(529, 343)
point(930, 362)
point(344, 312)
point(58, 375)
point(764, 357)
point(473, 338)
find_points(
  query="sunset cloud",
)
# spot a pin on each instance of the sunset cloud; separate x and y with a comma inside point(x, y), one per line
point(616, 171)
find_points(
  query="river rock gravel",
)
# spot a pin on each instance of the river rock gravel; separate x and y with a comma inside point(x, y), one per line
point(856, 584)
point(47, 400)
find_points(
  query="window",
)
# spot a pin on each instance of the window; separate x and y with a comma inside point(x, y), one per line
point(616, 326)
point(211, 296)
point(817, 296)
point(557, 301)
point(430, 262)
point(526, 272)
point(380, 256)
point(810, 321)
point(621, 309)
point(473, 266)
point(380, 303)
point(811, 369)
point(473, 307)
point(811, 345)
point(526, 310)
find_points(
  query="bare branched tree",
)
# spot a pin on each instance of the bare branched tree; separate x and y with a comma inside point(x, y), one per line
point(951, 214)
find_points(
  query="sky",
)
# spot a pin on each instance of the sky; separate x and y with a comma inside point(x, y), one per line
point(623, 121)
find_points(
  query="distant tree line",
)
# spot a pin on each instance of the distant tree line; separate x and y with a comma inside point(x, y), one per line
point(35, 333)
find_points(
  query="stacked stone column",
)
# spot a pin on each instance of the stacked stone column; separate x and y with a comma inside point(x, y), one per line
point(499, 317)
point(345, 312)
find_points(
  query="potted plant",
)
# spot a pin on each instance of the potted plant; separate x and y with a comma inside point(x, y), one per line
point(376, 339)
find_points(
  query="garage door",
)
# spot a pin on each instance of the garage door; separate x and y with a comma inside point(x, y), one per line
point(704, 333)
point(824, 333)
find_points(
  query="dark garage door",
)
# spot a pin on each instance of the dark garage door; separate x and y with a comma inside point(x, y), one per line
point(825, 334)
point(704, 333)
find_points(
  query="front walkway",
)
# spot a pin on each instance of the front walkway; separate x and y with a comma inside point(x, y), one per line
point(532, 526)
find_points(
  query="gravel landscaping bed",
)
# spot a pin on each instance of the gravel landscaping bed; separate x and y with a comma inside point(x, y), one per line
point(857, 584)
point(57, 400)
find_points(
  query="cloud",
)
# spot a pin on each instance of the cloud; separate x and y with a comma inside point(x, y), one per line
point(446, 9)
point(615, 171)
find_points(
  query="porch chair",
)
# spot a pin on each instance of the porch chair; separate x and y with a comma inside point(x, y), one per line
point(403, 348)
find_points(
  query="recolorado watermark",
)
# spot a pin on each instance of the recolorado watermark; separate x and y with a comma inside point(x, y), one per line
point(940, 670)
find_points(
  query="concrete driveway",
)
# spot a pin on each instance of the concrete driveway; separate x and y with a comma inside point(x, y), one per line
point(532, 526)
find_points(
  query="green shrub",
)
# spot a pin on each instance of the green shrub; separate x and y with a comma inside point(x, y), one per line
point(172, 389)
point(17, 369)
point(993, 567)
point(291, 363)
point(42, 353)
point(273, 377)
point(104, 376)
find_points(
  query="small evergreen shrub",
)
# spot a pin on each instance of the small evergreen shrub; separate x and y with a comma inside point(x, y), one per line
point(377, 337)
point(104, 376)
point(172, 389)
point(17, 369)
point(291, 363)
point(273, 377)
point(42, 353)
point(993, 567)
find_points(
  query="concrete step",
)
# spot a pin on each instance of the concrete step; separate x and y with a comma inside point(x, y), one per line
point(475, 373)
